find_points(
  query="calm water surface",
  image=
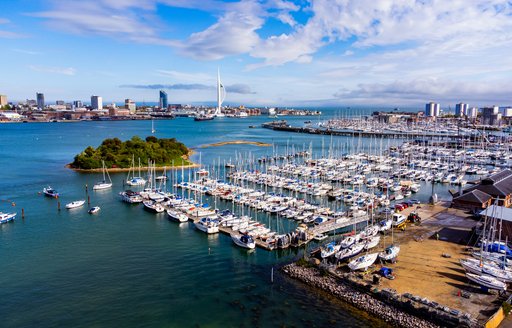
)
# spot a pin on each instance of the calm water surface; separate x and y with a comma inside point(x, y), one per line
point(126, 267)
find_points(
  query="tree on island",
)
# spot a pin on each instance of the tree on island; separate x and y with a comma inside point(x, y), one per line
point(118, 154)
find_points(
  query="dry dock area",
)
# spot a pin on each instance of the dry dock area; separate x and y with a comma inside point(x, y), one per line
point(430, 268)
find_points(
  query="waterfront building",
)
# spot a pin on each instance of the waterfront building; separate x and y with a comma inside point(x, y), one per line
point(40, 100)
point(78, 104)
point(96, 102)
point(221, 95)
point(60, 103)
point(130, 105)
point(495, 188)
point(432, 109)
point(461, 109)
point(163, 99)
point(3, 100)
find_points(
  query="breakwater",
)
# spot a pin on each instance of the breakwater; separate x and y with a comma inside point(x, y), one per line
point(384, 304)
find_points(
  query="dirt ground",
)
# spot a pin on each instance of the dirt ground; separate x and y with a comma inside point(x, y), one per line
point(422, 269)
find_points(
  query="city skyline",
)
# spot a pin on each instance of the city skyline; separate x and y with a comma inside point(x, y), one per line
point(295, 53)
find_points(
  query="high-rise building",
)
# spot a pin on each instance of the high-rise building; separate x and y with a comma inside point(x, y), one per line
point(506, 111)
point(130, 105)
point(491, 115)
point(3, 100)
point(432, 109)
point(60, 102)
point(221, 95)
point(78, 104)
point(40, 100)
point(461, 109)
point(163, 99)
point(472, 112)
point(96, 102)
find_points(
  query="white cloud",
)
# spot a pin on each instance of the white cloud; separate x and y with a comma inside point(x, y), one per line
point(55, 70)
point(187, 77)
point(27, 52)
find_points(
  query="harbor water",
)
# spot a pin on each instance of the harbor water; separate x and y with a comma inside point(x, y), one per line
point(127, 267)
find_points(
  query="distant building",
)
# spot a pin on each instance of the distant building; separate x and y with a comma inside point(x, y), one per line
point(60, 102)
point(506, 112)
point(432, 109)
point(491, 115)
point(78, 104)
point(163, 99)
point(130, 105)
point(3, 100)
point(461, 109)
point(96, 102)
point(118, 111)
point(40, 100)
point(472, 112)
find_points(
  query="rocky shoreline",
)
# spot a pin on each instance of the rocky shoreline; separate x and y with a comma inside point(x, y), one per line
point(360, 300)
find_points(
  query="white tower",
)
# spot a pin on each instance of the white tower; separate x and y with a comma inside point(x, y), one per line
point(221, 95)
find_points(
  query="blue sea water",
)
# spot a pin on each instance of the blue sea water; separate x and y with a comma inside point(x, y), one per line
point(126, 267)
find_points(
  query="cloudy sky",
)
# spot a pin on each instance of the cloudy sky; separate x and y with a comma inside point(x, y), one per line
point(270, 52)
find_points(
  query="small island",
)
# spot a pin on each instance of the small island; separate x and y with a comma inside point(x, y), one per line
point(119, 155)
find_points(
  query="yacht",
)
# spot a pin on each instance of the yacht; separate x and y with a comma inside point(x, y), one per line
point(176, 215)
point(7, 217)
point(243, 240)
point(130, 196)
point(50, 192)
point(208, 225)
point(75, 204)
point(390, 253)
point(103, 184)
point(487, 281)
point(153, 206)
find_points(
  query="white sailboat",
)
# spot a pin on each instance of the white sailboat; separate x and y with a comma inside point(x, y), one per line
point(487, 281)
point(103, 184)
point(363, 262)
point(75, 204)
point(135, 180)
point(152, 125)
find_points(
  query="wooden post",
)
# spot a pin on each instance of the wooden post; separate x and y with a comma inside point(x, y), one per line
point(22, 213)
point(86, 189)
point(58, 205)
point(88, 200)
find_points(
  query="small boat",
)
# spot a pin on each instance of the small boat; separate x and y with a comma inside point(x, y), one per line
point(204, 117)
point(94, 210)
point(320, 237)
point(390, 253)
point(363, 262)
point(371, 242)
point(350, 252)
point(136, 181)
point(176, 216)
point(75, 204)
point(487, 281)
point(7, 217)
point(50, 192)
point(208, 225)
point(243, 240)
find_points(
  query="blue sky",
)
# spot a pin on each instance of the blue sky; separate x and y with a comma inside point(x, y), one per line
point(270, 52)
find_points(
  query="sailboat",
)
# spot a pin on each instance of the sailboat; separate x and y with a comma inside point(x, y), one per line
point(103, 184)
point(152, 125)
point(135, 181)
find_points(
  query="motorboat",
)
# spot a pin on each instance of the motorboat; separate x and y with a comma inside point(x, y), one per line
point(7, 217)
point(349, 241)
point(398, 219)
point(130, 196)
point(75, 204)
point(363, 262)
point(177, 216)
point(136, 181)
point(320, 237)
point(50, 192)
point(385, 225)
point(94, 210)
point(243, 240)
point(152, 206)
point(487, 281)
point(208, 225)
point(390, 253)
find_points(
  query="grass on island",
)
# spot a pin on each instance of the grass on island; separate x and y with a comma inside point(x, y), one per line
point(237, 142)
point(118, 154)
